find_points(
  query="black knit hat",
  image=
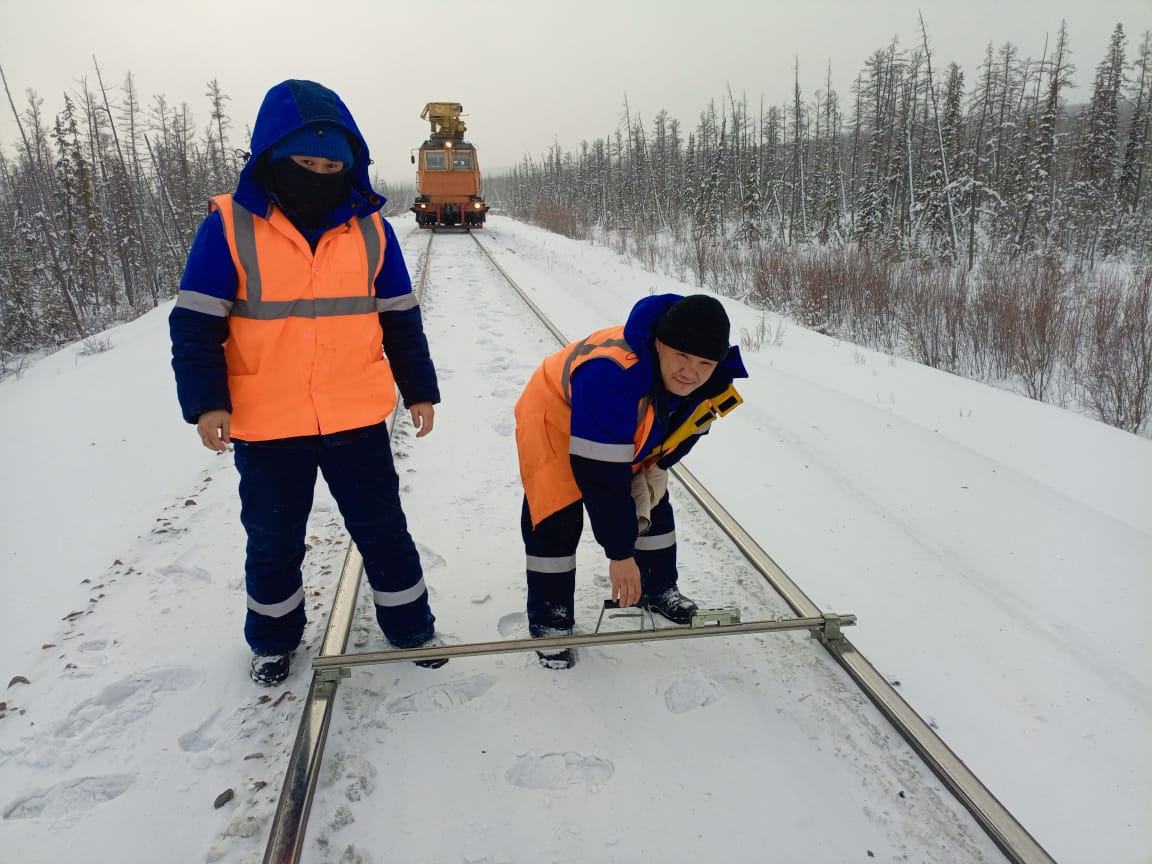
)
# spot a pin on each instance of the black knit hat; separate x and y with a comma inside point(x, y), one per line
point(696, 325)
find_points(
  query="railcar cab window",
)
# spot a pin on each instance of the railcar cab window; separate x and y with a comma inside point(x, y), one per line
point(462, 160)
point(434, 160)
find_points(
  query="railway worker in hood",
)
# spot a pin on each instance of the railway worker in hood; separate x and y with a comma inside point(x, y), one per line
point(293, 285)
point(597, 427)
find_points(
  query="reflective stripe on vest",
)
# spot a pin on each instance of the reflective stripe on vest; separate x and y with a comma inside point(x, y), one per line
point(304, 347)
point(255, 306)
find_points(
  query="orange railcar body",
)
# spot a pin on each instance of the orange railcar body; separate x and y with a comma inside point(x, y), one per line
point(458, 184)
point(448, 175)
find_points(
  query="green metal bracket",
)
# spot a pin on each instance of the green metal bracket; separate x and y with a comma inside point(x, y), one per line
point(831, 632)
point(720, 616)
point(333, 676)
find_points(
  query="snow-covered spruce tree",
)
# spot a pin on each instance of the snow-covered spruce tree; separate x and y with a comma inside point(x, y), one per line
point(744, 181)
point(629, 206)
point(875, 116)
point(75, 217)
point(706, 201)
point(675, 182)
point(18, 324)
point(116, 194)
point(770, 169)
point(938, 217)
point(1042, 178)
point(582, 190)
point(599, 181)
point(650, 206)
point(752, 228)
point(168, 141)
point(1097, 159)
point(906, 171)
point(130, 250)
point(829, 183)
point(660, 160)
point(1132, 191)
point(972, 187)
point(216, 136)
point(942, 118)
point(1004, 143)
point(798, 204)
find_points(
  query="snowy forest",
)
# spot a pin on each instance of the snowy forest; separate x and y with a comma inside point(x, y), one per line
point(987, 227)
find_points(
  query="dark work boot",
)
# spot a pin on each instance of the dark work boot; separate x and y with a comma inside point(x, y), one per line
point(434, 642)
point(556, 658)
point(269, 669)
point(672, 605)
point(565, 658)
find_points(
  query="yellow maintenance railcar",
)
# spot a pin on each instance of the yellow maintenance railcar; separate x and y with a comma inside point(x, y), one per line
point(447, 174)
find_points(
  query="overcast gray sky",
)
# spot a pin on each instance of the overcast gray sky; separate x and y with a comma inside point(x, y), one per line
point(527, 71)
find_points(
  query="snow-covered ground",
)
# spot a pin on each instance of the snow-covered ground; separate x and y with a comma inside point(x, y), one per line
point(996, 551)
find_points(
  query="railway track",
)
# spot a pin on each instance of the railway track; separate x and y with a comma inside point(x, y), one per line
point(289, 825)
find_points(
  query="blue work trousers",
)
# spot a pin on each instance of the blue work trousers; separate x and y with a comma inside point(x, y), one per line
point(550, 550)
point(277, 482)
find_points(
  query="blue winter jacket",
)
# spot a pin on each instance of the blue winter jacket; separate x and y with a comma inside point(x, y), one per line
point(198, 338)
point(604, 400)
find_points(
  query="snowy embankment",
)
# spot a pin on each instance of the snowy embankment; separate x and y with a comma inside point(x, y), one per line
point(995, 550)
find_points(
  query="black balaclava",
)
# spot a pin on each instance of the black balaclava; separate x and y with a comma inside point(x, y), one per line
point(310, 196)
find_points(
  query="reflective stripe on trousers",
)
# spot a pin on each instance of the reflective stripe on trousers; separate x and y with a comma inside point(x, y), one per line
point(277, 479)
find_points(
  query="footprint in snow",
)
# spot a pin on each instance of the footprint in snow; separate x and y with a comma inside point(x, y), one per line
point(200, 738)
point(125, 701)
point(496, 365)
point(186, 577)
point(429, 560)
point(442, 696)
point(559, 770)
point(62, 799)
point(513, 624)
point(692, 692)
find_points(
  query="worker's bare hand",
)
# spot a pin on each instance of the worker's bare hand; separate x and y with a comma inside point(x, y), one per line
point(625, 576)
point(423, 417)
point(215, 429)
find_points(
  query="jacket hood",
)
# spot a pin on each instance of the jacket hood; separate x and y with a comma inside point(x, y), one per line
point(642, 321)
point(292, 105)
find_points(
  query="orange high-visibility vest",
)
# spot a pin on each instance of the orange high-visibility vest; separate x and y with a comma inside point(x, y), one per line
point(544, 421)
point(304, 348)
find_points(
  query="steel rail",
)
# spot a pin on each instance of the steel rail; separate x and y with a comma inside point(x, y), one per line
point(998, 823)
point(286, 836)
point(286, 839)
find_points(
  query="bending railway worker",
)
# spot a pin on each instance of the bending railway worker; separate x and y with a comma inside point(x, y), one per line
point(597, 427)
point(293, 285)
